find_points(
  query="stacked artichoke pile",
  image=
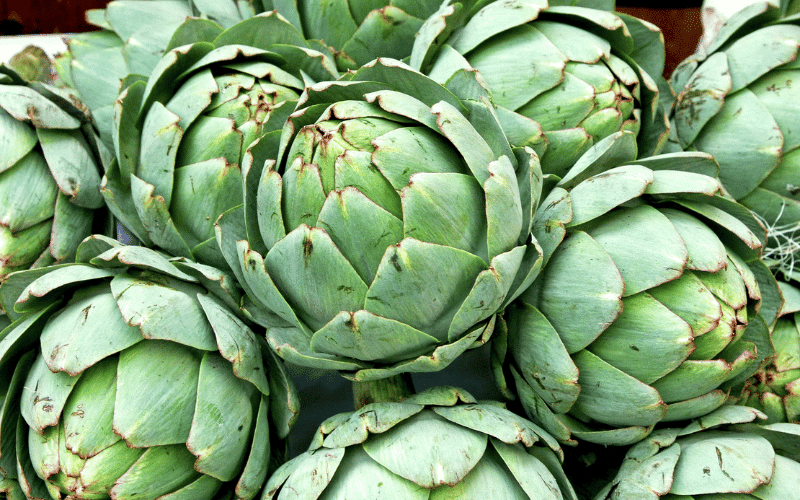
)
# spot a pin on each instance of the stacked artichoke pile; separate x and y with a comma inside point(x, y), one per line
point(212, 203)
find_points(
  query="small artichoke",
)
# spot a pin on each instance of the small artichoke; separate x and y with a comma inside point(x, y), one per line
point(645, 308)
point(438, 444)
point(51, 162)
point(208, 109)
point(775, 388)
point(739, 101)
point(581, 73)
point(711, 460)
point(391, 230)
point(130, 375)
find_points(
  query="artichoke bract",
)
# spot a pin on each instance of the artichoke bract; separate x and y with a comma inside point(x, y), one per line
point(739, 101)
point(392, 229)
point(437, 444)
point(722, 456)
point(358, 31)
point(134, 36)
point(581, 73)
point(645, 309)
point(775, 388)
point(129, 375)
point(51, 162)
point(208, 108)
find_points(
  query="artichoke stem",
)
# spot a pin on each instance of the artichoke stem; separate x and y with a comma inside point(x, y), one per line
point(395, 388)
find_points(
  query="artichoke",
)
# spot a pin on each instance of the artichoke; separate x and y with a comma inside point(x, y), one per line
point(208, 108)
point(711, 460)
point(437, 444)
point(358, 31)
point(775, 388)
point(645, 307)
point(586, 73)
point(739, 101)
point(134, 36)
point(390, 231)
point(51, 162)
point(129, 374)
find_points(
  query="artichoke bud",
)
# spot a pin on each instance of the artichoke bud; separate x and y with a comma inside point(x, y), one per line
point(410, 221)
point(131, 373)
point(582, 79)
point(407, 449)
point(647, 301)
point(205, 113)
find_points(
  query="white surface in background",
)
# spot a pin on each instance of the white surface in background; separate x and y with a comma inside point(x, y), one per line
point(10, 45)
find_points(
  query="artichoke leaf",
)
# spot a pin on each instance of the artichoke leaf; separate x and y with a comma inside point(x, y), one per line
point(27, 195)
point(692, 379)
point(722, 464)
point(491, 477)
point(261, 32)
point(537, 409)
point(193, 96)
point(450, 451)
point(690, 299)
point(28, 105)
point(236, 342)
point(493, 19)
point(423, 285)
point(86, 330)
point(613, 151)
point(756, 53)
point(706, 252)
point(776, 92)
point(372, 419)
point(254, 474)
point(72, 165)
point(309, 473)
point(565, 148)
point(49, 287)
point(580, 276)
point(532, 474)
point(151, 307)
point(221, 426)
point(160, 138)
point(41, 406)
point(17, 140)
point(497, 422)
point(612, 397)
point(601, 193)
point(473, 148)
point(503, 207)
point(365, 336)
point(292, 344)
point(695, 407)
point(161, 415)
point(172, 464)
point(71, 225)
point(121, 256)
point(89, 411)
point(362, 478)
point(155, 217)
point(385, 32)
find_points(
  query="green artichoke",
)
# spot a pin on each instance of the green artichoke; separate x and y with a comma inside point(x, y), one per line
point(209, 108)
point(581, 73)
point(134, 36)
point(357, 30)
point(51, 162)
point(130, 375)
point(775, 387)
point(745, 461)
point(645, 308)
point(393, 227)
point(435, 445)
point(739, 101)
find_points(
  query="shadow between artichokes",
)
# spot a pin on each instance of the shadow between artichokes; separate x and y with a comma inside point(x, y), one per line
point(128, 374)
point(209, 108)
point(652, 299)
point(391, 230)
point(438, 444)
point(581, 73)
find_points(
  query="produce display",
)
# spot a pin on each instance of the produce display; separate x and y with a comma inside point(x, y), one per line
point(209, 208)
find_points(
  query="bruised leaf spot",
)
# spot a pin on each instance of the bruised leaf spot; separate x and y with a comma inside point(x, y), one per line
point(345, 289)
point(308, 246)
point(395, 261)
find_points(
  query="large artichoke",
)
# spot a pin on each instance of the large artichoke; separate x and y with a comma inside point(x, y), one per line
point(711, 460)
point(130, 375)
point(582, 73)
point(646, 304)
point(51, 162)
point(393, 227)
point(134, 35)
point(209, 109)
point(435, 445)
point(739, 101)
